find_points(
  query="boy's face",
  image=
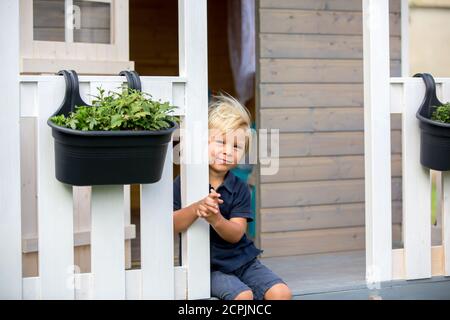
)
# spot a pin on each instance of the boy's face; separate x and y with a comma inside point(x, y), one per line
point(225, 150)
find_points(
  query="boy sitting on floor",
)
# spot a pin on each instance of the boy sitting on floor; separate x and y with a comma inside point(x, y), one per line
point(236, 272)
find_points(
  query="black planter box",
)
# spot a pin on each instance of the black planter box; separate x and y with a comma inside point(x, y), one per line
point(86, 158)
point(435, 136)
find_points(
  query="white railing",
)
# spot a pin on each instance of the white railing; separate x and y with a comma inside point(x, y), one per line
point(384, 96)
point(109, 208)
point(418, 259)
point(43, 221)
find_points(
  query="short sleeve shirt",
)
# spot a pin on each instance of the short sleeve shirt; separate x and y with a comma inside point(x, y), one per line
point(236, 196)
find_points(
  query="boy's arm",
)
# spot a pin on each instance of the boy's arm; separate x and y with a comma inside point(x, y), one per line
point(183, 218)
point(230, 230)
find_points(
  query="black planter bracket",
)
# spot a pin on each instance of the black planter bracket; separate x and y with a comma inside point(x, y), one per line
point(133, 79)
point(72, 96)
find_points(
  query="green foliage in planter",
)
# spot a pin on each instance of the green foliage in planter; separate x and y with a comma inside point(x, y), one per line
point(128, 110)
point(442, 113)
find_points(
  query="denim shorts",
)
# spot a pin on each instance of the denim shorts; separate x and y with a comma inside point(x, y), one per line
point(252, 276)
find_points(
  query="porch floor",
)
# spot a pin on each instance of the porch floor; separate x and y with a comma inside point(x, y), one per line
point(341, 276)
point(318, 273)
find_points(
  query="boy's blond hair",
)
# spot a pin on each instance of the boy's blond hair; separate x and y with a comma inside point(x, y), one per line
point(226, 114)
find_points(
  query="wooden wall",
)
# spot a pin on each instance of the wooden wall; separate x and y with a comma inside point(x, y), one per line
point(310, 86)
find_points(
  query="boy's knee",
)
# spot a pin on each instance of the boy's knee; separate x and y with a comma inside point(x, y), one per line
point(279, 291)
point(245, 295)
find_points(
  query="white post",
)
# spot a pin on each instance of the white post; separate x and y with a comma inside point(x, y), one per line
point(107, 242)
point(194, 174)
point(158, 273)
point(54, 203)
point(10, 227)
point(377, 144)
point(416, 188)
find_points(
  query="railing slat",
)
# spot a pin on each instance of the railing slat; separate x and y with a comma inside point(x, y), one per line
point(446, 221)
point(445, 189)
point(416, 189)
point(157, 235)
point(108, 242)
point(55, 204)
point(10, 227)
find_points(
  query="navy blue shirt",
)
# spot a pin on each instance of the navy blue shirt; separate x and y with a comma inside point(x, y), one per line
point(235, 193)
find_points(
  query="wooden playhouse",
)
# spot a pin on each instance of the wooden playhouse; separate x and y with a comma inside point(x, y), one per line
point(347, 213)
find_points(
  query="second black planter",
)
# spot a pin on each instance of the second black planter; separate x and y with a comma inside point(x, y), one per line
point(85, 158)
point(435, 136)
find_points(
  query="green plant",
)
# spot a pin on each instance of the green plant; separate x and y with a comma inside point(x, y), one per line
point(126, 110)
point(441, 113)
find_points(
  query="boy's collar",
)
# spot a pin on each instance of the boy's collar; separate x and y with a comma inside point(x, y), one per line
point(228, 181)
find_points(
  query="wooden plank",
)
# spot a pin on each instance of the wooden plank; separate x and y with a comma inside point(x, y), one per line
point(377, 140)
point(289, 194)
point(317, 22)
point(312, 241)
point(157, 235)
point(446, 220)
point(315, 241)
point(311, 95)
point(55, 204)
point(324, 168)
point(319, 217)
point(193, 64)
point(416, 190)
point(327, 144)
point(341, 5)
point(317, 119)
point(316, 70)
point(315, 46)
point(107, 242)
point(10, 206)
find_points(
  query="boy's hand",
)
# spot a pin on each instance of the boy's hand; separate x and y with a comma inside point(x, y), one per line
point(208, 208)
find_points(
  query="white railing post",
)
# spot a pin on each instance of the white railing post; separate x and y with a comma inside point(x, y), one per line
point(416, 188)
point(377, 144)
point(10, 220)
point(55, 204)
point(194, 174)
point(158, 274)
point(108, 242)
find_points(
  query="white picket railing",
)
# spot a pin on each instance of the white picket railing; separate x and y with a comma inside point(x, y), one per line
point(384, 96)
point(418, 259)
point(30, 100)
point(157, 278)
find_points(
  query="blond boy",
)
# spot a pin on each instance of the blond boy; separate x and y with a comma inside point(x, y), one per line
point(236, 272)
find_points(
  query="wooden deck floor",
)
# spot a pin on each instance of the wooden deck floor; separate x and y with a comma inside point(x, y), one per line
point(318, 273)
point(341, 275)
